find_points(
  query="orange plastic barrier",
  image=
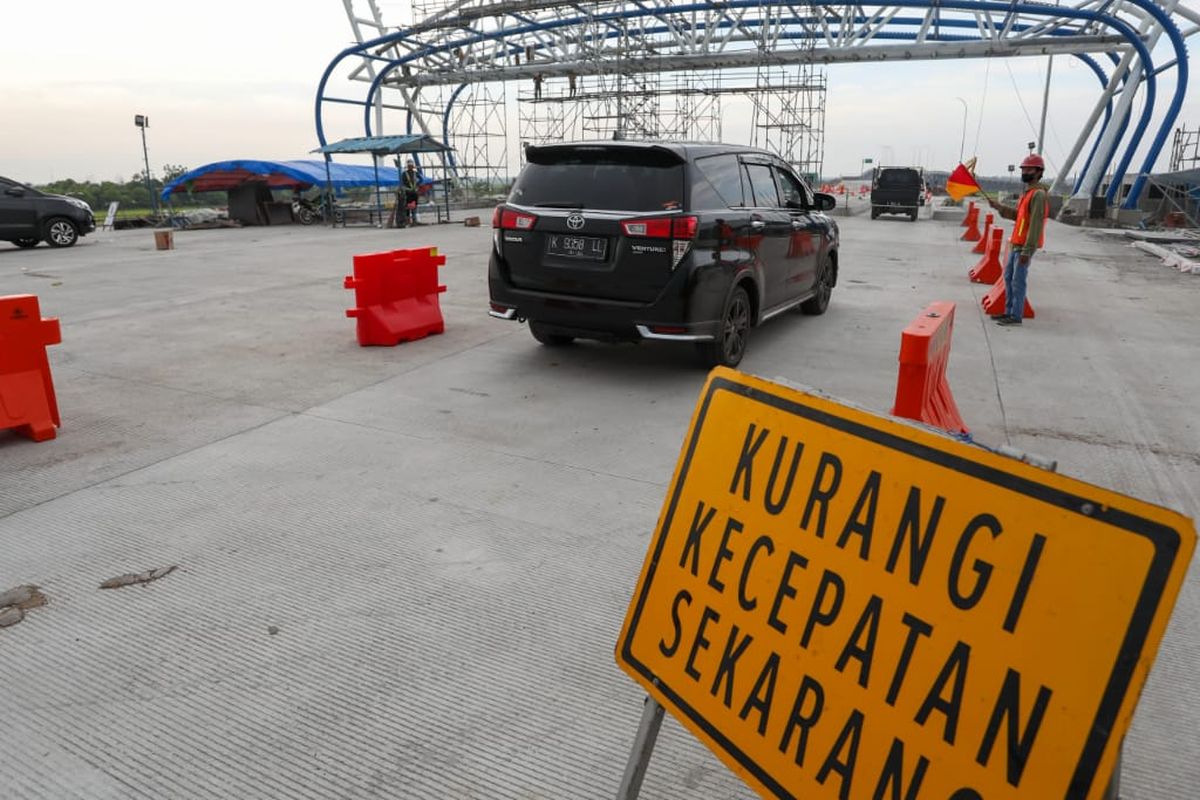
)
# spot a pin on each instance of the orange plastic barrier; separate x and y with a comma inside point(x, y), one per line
point(982, 245)
point(922, 392)
point(396, 296)
point(989, 269)
point(972, 216)
point(971, 234)
point(27, 401)
point(993, 301)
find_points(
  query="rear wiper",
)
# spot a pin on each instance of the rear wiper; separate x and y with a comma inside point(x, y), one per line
point(576, 206)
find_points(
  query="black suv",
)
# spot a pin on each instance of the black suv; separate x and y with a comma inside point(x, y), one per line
point(897, 190)
point(620, 240)
point(28, 216)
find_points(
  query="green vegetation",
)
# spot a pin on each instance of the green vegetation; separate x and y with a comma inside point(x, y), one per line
point(132, 194)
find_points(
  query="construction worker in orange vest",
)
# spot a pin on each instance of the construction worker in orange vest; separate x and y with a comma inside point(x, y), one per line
point(1028, 236)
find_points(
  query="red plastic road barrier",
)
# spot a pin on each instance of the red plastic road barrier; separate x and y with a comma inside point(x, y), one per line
point(922, 392)
point(972, 214)
point(27, 401)
point(989, 269)
point(982, 245)
point(993, 301)
point(396, 296)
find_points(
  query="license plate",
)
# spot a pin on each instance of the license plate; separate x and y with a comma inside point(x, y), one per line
point(588, 248)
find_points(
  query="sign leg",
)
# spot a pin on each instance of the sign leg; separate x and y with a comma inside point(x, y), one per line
point(643, 746)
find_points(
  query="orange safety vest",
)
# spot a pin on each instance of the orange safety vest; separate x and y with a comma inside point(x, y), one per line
point(1021, 229)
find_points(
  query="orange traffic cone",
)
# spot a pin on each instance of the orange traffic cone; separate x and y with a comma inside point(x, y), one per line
point(972, 214)
point(982, 245)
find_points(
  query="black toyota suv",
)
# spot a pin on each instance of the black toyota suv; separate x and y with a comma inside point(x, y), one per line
point(897, 190)
point(621, 240)
point(28, 216)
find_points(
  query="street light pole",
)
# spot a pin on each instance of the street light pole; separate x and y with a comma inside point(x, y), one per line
point(1041, 140)
point(963, 141)
point(143, 122)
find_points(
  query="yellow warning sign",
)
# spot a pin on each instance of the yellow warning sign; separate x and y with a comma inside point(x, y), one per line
point(846, 606)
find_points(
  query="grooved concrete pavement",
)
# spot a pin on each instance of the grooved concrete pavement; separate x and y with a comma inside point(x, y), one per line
point(403, 570)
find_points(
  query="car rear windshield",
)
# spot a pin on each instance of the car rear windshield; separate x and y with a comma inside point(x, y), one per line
point(905, 177)
point(621, 179)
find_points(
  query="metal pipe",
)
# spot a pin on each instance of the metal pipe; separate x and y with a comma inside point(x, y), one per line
point(962, 143)
point(1041, 145)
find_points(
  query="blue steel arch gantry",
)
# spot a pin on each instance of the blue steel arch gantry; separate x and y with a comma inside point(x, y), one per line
point(467, 43)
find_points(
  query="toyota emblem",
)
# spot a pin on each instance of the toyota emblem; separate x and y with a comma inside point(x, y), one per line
point(575, 221)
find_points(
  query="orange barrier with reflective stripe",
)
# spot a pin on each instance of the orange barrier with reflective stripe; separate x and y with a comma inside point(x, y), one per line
point(922, 392)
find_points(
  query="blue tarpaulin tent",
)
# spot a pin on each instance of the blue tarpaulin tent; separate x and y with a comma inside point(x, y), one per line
point(301, 174)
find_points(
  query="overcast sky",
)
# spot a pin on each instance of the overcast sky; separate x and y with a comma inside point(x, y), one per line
point(222, 80)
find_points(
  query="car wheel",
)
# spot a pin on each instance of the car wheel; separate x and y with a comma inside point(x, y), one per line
point(730, 345)
point(546, 337)
point(874, 214)
point(29, 242)
point(61, 232)
point(823, 291)
point(913, 216)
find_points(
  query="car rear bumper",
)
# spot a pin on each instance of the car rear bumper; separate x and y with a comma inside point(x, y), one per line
point(669, 317)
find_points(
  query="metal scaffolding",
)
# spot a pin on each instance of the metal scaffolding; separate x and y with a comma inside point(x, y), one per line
point(657, 68)
point(478, 132)
point(1185, 150)
point(789, 115)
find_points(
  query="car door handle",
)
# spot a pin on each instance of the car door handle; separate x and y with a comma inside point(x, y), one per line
point(757, 224)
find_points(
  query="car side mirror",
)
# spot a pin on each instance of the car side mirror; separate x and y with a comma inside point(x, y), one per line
point(15, 191)
point(825, 202)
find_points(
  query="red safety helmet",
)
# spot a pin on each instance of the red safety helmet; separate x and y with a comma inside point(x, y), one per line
point(1033, 161)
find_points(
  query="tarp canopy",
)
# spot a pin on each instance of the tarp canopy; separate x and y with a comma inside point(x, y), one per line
point(385, 145)
point(301, 174)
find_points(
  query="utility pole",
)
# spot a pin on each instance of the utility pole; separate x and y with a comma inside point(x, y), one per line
point(143, 122)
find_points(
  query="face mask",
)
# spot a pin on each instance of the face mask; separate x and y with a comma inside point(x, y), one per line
point(1028, 177)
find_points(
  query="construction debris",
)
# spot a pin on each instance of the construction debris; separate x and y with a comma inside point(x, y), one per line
point(27, 596)
point(129, 579)
point(14, 602)
point(1184, 258)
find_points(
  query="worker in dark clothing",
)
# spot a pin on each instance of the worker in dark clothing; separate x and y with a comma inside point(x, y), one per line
point(1028, 236)
point(410, 189)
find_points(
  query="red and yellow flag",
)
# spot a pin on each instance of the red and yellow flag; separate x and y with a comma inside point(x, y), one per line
point(961, 182)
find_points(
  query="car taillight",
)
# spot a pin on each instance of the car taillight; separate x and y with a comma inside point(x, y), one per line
point(681, 229)
point(508, 219)
point(661, 227)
